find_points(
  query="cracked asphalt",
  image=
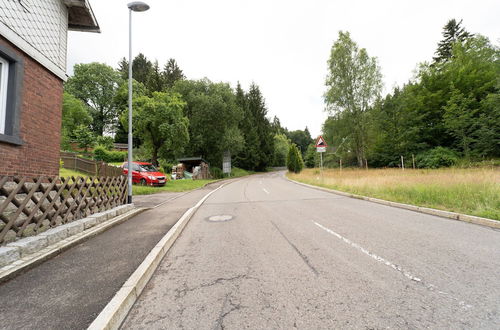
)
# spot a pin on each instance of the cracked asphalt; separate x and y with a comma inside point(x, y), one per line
point(294, 257)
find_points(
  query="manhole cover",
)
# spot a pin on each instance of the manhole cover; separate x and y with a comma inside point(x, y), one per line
point(220, 218)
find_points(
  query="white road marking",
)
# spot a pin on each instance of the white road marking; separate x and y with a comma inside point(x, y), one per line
point(267, 192)
point(374, 256)
point(430, 287)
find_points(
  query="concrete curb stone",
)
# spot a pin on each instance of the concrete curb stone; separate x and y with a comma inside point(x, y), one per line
point(8, 255)
point(56, 234)
point(30, 245)
point(74, 227)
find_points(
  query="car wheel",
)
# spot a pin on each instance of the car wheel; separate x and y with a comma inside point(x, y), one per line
point(143, 182)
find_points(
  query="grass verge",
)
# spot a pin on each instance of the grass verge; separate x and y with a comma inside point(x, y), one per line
point(474, 191)
point(171, 186)
point(64, 172)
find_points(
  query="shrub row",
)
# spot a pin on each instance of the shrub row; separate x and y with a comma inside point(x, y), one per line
point(100, 153)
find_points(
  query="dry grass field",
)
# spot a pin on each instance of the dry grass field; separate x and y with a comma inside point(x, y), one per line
point(474, 191)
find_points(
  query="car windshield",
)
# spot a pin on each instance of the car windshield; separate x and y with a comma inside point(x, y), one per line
point(148, 168)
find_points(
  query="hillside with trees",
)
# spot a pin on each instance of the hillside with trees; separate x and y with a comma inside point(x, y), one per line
point(173, 117)
point(449, 110)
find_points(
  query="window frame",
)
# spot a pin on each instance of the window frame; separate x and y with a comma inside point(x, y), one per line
point(13, 93)
point(4, 88)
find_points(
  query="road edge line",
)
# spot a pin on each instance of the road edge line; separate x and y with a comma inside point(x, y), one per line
point(115, 312)
point(426, 210)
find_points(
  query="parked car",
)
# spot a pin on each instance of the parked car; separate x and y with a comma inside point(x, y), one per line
point(145, 174)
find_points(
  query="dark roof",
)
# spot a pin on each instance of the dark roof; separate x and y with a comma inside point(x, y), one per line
point(80, 16)
point(192, 160)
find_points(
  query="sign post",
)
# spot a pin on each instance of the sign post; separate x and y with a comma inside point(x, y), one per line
point(226, 163)
point(321, 148)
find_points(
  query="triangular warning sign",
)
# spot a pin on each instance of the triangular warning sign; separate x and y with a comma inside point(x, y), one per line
point(320, 142)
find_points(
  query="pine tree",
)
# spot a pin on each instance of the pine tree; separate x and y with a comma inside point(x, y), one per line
point(141, 68)
point(172, 73)
point(156, 82)
point(452, 32)
point(123, 68)
point(257, 109)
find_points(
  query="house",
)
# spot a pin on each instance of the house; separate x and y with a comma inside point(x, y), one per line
point(33, 41)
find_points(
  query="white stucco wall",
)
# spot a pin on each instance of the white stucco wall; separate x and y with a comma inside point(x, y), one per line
point(39, 28)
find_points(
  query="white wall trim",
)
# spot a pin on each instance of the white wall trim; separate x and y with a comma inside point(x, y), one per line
point(22, 44)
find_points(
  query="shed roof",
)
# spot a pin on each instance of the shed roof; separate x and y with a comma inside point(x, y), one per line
point(80, 16)
point(191, 160)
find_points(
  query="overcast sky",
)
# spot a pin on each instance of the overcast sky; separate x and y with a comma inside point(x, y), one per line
point(281, 45)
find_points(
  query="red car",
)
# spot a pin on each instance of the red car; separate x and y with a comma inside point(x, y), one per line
point(145, 174)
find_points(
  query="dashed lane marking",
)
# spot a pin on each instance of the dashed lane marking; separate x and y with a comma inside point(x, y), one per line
point(397, 268)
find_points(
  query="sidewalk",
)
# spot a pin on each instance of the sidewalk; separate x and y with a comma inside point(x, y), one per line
point(70, 290)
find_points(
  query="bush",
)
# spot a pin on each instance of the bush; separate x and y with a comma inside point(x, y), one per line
point(216, 173)
point(294, 161)
point(105, 141)
point(165, 165)
point(100, 153)
point(437, 157)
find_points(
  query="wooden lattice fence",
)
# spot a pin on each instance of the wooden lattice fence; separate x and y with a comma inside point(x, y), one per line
point(30, 206)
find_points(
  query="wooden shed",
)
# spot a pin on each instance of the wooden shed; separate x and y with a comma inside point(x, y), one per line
point(196, 167)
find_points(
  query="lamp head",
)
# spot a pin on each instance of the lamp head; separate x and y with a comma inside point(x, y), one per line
point(138, 6)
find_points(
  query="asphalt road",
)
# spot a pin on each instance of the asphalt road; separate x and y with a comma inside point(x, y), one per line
point(294, 257)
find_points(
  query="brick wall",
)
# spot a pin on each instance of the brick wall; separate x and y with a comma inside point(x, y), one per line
point(40, 123)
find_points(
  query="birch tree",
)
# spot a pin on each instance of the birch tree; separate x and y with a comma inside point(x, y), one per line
point(353, 83)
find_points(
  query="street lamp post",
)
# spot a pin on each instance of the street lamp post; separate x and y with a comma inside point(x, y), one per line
point(133, 6)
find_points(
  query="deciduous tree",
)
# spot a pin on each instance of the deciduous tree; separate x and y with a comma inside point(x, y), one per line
point(96, 85)
point(354, 82)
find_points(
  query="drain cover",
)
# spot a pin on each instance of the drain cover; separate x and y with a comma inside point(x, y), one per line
point(220, 218)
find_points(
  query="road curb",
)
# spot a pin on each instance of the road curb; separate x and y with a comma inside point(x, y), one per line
point(444, 214)
point(115, 312)
point(24, 264)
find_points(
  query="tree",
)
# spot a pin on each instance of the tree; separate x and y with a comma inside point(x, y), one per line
point(301, 138)
point(459, 120)
point(258, 110)
point(294, 161)
point(452, 32)
point(281, 148)
point(213, 116)
point(74, 114)
point(96, 85)
point(84, 137)
point(160, 123)
point(354, 82)
point(123, 68)
point(311, 158)
point(172, 73)
point(142, 69)
point(121, 104)
point(247, 158)
point(155, 81)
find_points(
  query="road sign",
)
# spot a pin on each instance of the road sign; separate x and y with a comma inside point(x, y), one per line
point(226, 163)
point(321, 149)
point(320, 143)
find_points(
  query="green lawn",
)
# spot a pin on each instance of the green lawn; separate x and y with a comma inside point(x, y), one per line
point(171, 186)
point(64, 172)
